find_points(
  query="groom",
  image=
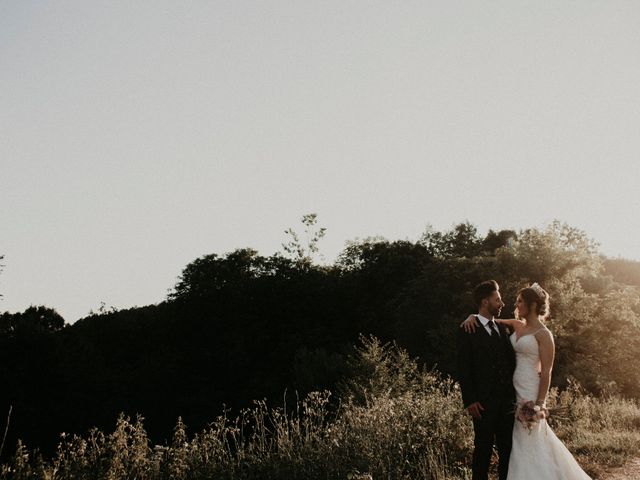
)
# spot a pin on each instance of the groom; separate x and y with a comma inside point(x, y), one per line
point(485, 365)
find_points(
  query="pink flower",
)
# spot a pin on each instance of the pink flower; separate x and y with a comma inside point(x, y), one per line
point(529, 414)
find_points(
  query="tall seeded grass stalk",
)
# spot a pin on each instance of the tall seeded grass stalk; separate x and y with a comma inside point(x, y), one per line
point(6, 429)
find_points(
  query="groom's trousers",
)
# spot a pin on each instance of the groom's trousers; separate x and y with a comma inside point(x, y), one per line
point(495, 426)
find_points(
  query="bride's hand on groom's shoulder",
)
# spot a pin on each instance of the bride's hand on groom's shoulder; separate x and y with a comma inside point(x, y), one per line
point(470, 324)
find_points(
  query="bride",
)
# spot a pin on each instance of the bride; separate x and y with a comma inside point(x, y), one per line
point(537, 453)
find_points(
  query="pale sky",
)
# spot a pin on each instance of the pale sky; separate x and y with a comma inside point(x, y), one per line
point(138, 136)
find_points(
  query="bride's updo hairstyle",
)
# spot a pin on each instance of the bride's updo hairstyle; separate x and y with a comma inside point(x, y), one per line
point(536, 294)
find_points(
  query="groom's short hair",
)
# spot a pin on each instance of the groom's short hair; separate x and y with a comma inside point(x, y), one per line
point(484, 290)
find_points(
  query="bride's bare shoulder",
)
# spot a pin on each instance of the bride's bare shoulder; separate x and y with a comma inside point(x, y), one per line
point(544, 334)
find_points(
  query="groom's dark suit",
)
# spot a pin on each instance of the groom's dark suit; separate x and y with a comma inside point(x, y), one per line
point(485, 366)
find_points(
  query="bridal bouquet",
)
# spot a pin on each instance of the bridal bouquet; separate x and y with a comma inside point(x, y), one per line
point(529, 414)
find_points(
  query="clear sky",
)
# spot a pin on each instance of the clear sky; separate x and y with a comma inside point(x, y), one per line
point(138, 136)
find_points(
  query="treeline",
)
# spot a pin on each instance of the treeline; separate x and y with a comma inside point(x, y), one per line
point(242, 326)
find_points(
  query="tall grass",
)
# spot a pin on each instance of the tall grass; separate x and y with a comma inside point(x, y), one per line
point(601, 431)
point(393, 421)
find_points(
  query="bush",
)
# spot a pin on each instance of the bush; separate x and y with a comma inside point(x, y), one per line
point(395, 422)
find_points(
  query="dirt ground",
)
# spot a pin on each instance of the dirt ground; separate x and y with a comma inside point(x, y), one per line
point(630, 471)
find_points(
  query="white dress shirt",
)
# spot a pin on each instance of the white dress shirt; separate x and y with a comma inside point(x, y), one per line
point(485, 322)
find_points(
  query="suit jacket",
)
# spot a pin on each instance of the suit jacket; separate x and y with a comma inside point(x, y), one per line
point(477, 366)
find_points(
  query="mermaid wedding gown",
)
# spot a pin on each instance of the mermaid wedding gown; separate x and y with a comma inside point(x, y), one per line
point(537, 454)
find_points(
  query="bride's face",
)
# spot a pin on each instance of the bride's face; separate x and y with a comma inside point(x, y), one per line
point(521, 308)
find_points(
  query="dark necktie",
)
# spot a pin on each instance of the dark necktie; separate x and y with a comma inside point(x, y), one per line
point(494, 330)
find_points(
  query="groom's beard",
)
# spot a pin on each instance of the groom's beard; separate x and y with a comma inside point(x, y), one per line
point(495, 311)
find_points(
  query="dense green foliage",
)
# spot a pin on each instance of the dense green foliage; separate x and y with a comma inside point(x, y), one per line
point(242, 326)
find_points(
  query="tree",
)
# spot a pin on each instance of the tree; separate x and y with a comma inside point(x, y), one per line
point(212, 273)
point(595, 321)
point(493, 241)
point(462, 241)
point(33, 320)
point(301, 252)
point(555, 252)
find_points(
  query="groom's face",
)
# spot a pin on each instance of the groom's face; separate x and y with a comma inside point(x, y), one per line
point(495, 304)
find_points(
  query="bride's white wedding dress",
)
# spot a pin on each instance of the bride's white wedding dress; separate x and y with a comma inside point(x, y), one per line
point(537, 454)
